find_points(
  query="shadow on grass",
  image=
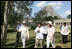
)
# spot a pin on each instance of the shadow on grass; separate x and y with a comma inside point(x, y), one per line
point(58, 47)
point(12, 45)
point(30, 43)
point(51, 46)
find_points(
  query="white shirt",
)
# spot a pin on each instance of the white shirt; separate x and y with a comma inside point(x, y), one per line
point(40, 34)
point(24, 31)
point(50, 31)
point(64, 30)
point(45, 29)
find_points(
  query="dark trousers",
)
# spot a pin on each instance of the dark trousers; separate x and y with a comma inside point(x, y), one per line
point(64, 38)
point(17, 38)
point(45, 36)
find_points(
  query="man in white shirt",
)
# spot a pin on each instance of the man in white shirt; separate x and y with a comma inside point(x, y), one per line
point(39, 36)
point(50, 35)
point(45, 30)
point(64, 32)
point(24, 33)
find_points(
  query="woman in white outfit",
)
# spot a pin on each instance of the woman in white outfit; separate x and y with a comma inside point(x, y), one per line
point(24, 33)
point(50, 35)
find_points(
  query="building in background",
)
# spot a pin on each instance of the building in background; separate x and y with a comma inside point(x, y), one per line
point(61, 21)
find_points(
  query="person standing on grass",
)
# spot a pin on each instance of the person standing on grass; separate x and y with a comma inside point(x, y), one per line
point(18, 33)
point(50, 35)
point(24, 33)
point(64, 32)
point(39, 36)
point(45, 30)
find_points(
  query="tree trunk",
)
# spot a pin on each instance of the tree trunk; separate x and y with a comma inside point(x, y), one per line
point(4, 29)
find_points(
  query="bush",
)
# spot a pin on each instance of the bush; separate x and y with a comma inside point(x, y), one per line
point(33, 26)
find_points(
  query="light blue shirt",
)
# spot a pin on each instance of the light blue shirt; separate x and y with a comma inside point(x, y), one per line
point(19, 26)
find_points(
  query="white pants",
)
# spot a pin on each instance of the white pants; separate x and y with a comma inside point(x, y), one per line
point(23, 40)
point(52, 43)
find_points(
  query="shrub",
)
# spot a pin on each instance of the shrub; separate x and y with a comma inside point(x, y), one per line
point(33, 26)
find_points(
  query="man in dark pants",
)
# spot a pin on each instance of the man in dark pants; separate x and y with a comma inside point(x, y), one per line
point(45, 30)
point(64, 32)
point(18, 33)
point(64, 38)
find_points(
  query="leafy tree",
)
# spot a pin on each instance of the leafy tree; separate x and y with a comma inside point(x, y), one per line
point(55, 17)
point(69, 16)
point(23, 9)
point(50, 18)
point(45, 19)
point(10, 16)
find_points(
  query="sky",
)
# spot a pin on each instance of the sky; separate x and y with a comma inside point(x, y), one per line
point(63, 8)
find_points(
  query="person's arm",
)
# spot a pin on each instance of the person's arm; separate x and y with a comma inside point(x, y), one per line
point(42, 30)
point(36, 30)
point(62, 30)
point(17, 28)
point(67, 30)
point(53, 33)
point(20, 30)
point(28, 32)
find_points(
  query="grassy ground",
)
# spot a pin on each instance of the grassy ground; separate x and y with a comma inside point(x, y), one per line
point(11, 40)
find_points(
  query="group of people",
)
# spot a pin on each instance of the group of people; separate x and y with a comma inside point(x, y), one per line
point(42, 31)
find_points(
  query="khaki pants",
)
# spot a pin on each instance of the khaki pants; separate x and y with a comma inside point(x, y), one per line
point(37, 41)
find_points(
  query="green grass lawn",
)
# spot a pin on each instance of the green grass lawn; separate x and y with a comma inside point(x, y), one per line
point(11, 40)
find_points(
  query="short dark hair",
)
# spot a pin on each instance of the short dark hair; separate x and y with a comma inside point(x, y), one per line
point(40, 23)
point(64, 23)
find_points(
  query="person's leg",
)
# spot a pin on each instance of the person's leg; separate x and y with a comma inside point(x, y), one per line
point(45, 35)
point(23, 41)
point(41, 43)
point(17, 38)
point(53, 43)
point(36, 43)
point(48, 42)
point(63, 38)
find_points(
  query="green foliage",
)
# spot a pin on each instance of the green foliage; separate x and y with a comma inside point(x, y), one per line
point(55, 17)
point(69, 16)
point(33, 27)
point(46, 18)
point(49, 18)
point(14, 16)
point(38, 18)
